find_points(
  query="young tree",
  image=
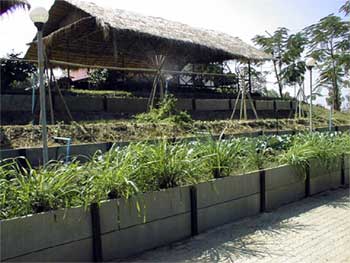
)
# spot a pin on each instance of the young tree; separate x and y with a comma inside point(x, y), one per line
point(276, 45)
point(345, 8)
point(288, 50)
point(294, 71)
point(329, 44)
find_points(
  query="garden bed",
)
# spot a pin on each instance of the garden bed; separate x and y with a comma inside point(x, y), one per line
point(146, 221)
point(158, 193)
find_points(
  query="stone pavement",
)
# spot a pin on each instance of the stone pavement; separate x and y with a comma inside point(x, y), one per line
point(316, 229)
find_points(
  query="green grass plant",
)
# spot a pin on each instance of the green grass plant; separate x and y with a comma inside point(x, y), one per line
point(142, 167)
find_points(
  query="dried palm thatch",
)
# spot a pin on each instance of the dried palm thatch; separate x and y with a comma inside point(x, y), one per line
point(82, 32)
point(10, 5)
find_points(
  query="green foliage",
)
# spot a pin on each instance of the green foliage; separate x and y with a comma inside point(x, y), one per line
point(287, 49)
point(220, 157)
point(98, 77)
point(104, 78)
point(323, 147)
point(142, 167)
point(13, 71)
point(165, 113)
point(345, 8)
point(329, 42)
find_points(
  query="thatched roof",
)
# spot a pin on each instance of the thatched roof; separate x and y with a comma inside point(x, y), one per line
point(10, 5)
point(82, 32)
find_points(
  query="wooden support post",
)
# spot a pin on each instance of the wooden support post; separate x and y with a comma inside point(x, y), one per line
point(49, 81)
point(249, 77)
point(61, 96)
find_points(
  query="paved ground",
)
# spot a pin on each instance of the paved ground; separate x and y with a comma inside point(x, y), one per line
point(316, 229)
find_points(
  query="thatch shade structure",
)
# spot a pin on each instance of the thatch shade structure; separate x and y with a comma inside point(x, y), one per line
point(84, 33)
point(10, 5)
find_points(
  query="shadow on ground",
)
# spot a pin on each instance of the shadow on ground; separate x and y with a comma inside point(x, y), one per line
point(231, 242)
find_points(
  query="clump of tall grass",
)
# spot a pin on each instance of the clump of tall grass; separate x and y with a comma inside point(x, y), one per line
point(143, 167)
point(325, 148)
point(167, 164)
point(220, 157)
point(37, 190)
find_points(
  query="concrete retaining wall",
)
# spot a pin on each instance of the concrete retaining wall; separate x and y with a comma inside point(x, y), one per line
point(283, 105)
point(80, 151)
point(146, 221)
point(323, 178)
point(184, 104)
point(126, 105)
point(62, 235)
point(212, 105)
point(227, 199)
point(283, 185)
point(80, 103)
point(11, 103)
point(264, 105)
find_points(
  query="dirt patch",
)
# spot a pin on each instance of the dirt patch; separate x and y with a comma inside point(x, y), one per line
point(114, 131)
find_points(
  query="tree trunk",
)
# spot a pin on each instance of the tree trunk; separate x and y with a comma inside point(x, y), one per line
point(280, 87)
point(336, 95)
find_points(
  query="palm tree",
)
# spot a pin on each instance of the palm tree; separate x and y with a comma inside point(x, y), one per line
point(9, 5)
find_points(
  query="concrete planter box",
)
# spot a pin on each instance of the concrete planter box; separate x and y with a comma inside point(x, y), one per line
point(80, 103)
point(35, 155)
point(81, 151)
point(324, 178)
point(283, 185)
point(283, 105)
point(264, 105)
point(184, 104)
point(62, 235)
point(126, 105)
point(212, 105)
point(4, 154)
point(227, 199)
point(148, 221)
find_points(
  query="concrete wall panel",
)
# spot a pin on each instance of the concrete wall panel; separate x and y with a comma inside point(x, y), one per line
point(226, 212)
point(77, 251)
point(134, 105)
point(153, 206)
point(283, 105)
point(136, 239)
point(212, 104)
point(36, 232)
point(284, 195)
point(9, 103)
point(227, 188)
point(184, 104)
point(282, 176)
point(80, 103)
point(264, 104)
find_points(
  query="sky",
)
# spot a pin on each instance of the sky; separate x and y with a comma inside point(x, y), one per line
point(242, 18)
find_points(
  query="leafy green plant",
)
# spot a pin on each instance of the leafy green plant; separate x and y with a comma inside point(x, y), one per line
point(221, 157)
point(142, 167)
point(165, 113)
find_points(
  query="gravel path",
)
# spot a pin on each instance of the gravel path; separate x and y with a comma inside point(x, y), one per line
point(316, 229)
